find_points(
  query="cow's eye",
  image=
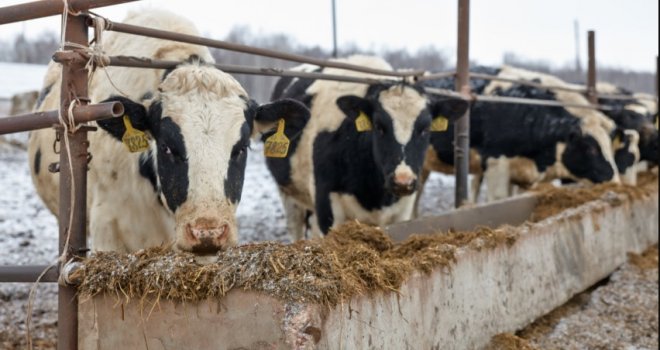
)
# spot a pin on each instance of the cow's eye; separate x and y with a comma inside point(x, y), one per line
point(239, 152)
point(380, 128)
point(165, 149)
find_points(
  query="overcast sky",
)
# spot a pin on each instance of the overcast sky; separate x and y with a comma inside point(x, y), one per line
point(626, 30)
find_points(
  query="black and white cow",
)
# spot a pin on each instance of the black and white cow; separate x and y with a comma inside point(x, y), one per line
point(337, 172)
point(522, 145)
point(638, 114)
point(184, 188)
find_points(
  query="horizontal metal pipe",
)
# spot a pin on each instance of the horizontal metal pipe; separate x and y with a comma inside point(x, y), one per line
point(42, 120)
point(439, 75)
point(28, 274)
point(219, 44)
point(45, 8)
point(528, 101)
point(137, 62)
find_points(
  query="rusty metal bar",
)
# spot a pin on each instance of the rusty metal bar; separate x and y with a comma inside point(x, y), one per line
point(73, 183)
point(574, 88)
point(439, 75)
point(529, 101)
point(592, 94)
point(45, 8)
point(462, 125)
point(42, 120)
point(137, 62)
point(219, 44)
point(28, 274)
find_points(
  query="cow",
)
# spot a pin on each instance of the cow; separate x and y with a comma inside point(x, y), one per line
point(181, 179)
point(639, 113)
point(360, 153)
point(516, 144)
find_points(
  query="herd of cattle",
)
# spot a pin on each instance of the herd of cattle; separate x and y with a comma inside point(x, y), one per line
point(337, 151)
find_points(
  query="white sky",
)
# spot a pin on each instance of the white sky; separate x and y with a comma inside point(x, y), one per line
point(626, 30)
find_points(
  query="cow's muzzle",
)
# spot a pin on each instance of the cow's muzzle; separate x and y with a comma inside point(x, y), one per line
point(205, 237)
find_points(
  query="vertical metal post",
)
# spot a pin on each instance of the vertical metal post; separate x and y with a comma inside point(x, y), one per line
point(74, 87)
point(462, 127)
point(657, 82)
point(334, 29)
point(592, 94)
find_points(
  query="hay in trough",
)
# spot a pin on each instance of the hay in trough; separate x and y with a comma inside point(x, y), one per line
point(552, 200)
point(355, 259)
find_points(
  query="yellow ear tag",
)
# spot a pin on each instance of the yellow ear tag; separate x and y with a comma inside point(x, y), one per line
point(135, 140)
point(439, 123)
point(362, 123)
point(277, 146)
point(616, 143)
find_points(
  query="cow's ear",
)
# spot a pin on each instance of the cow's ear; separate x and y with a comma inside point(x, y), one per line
point(357, 109)
point(447, 107)
point(294, 116)
point(134, 112)
point(354, 106)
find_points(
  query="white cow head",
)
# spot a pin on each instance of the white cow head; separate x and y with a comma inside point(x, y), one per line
point(200, 123)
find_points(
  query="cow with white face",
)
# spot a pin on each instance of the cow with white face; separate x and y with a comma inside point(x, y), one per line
point(360, 154)
point(183, 185)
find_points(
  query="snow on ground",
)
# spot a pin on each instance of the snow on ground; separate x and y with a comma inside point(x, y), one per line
point(20, 77)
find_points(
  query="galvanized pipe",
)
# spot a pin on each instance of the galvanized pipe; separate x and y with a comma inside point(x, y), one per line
point(462, 126)
point(219, 44)
point(73, 184)
point(28, 274)
point(592, 94)
point(42, 120)
point(45, 8)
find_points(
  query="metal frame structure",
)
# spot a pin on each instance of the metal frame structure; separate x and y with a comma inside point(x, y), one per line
point(74, 155)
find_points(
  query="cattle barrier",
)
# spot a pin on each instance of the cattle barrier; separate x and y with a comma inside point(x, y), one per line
point(485, 291)
point(75, 111)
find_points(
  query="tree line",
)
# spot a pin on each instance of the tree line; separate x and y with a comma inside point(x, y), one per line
point(39, 50)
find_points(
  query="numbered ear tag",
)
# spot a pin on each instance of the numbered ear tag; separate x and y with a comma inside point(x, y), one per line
point(277, 146)
point(362, 123)
point(439, 123)
point(135, 140)
point(616, 143)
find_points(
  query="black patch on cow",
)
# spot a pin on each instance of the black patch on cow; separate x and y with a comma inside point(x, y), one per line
point(584, 158)
point(172, 162)
point(236, 170)
point(37, 161)
point(42, 95)
point(147, 170)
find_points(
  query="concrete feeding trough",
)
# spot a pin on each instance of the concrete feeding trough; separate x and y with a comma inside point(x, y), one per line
point(485, 291)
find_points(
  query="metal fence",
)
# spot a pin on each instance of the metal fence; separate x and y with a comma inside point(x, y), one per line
point(76, 110)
